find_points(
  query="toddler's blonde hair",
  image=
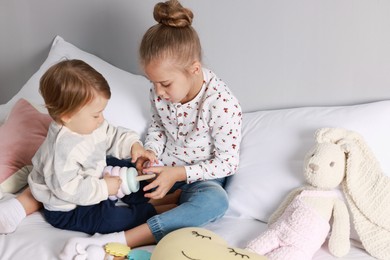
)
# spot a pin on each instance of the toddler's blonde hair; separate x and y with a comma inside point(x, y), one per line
point(69, 85)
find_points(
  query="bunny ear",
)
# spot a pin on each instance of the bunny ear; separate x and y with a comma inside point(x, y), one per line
point(330, 135)
point(346, 145)
point(335, 135)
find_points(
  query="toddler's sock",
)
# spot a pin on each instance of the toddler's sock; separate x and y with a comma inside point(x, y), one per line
point(92, 253)
point(11, 214)
point(90, 246)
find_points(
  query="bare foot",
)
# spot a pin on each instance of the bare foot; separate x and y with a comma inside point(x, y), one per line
point(171, 198)
point(162, 208)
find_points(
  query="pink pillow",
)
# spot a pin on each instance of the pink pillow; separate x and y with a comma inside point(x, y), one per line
point(20, 137)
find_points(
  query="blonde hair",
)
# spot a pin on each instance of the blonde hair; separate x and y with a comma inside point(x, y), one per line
point(173, 37)
point(69, 85)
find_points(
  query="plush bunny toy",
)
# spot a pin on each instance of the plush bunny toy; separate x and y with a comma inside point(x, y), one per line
point(298, 228)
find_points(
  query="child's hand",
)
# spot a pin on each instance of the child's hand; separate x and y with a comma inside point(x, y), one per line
point(138, 152)
point(166, 178)
point(113, 183)
point(147, 155)
point(139, 165)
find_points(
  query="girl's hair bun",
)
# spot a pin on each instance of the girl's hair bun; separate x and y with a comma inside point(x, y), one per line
point(172, 13)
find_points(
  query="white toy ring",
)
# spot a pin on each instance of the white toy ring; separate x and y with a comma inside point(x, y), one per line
point(107, 169)
point(115, 171)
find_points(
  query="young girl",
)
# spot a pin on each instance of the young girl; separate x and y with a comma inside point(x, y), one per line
point(195, 131)
point(68, 167)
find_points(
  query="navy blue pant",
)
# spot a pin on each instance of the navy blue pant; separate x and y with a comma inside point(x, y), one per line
point(105, 217)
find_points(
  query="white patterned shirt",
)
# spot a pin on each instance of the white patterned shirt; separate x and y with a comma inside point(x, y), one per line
point(68, 166)
point(203, 134)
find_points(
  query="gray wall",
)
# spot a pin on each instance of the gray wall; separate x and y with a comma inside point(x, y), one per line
point(273, 54)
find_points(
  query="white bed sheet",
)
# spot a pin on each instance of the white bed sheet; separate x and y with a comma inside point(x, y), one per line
point(36, 239)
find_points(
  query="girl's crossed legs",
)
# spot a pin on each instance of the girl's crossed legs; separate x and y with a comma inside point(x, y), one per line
point(200, 203)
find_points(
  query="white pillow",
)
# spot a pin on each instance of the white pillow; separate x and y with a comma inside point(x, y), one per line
point(129, 103)
point(274, 144)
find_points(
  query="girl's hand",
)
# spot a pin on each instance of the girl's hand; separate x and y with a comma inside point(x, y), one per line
point(139, 165)
point(113, 183)
point(146, 156)
point(166, 178)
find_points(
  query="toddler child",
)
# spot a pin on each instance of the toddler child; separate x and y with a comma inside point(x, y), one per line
point(68, 167)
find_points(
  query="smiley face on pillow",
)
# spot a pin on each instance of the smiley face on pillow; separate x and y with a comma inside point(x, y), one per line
point(198, 243)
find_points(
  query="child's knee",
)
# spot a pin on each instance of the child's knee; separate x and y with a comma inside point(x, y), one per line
point(217, 201)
